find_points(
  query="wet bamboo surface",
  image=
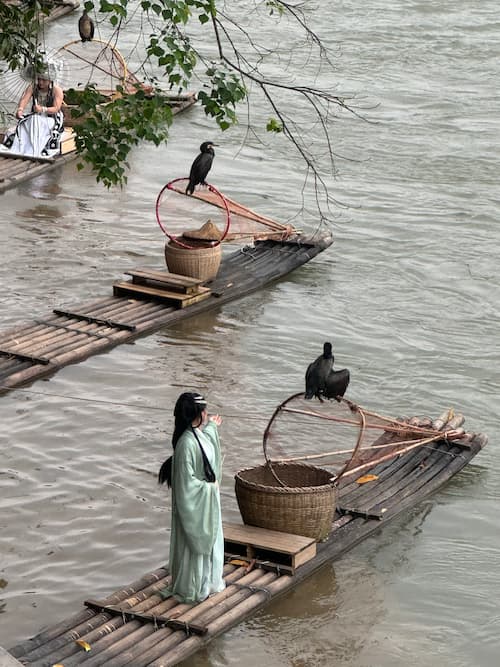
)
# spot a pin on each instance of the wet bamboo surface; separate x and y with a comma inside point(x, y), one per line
point(117, 639)
point(42, 346)
point(15, 170)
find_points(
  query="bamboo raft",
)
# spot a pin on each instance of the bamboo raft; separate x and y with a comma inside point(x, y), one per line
point(145, 304)
point(135, 626)
point(14, 169)
point(59, 8)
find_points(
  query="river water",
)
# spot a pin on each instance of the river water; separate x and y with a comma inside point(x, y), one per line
point(409, 295)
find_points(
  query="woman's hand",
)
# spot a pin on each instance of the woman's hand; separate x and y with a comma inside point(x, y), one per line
point(216, 419)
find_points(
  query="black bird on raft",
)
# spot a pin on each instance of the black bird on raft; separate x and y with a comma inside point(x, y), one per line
point(317, 373)
point(336, 384)
point(86, 27)
point(201, 166)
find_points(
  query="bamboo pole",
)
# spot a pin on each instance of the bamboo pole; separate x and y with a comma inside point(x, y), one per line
point(49, 332)
point(420, 443)
point(224, 622)
point(21, 327)
point(109, 646)
point(64, 626)
point(100, 622)
point(456, 433)
point(163, 650)
point(179, 611)
point(399, 428)
point(106, 623)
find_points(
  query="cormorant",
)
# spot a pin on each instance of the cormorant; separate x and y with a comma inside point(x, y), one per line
point(201, 166)
point(318, 372)
point(86, 27)
point(336, 384)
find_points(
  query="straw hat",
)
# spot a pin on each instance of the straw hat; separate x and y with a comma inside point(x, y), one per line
point(208, 232)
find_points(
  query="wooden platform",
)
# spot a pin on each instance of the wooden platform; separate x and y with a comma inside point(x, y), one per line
point(67, 335)
point(176, 290)
point(269, 549)
point(135, 626)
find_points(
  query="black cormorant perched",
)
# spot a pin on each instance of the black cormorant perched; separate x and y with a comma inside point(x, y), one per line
point(318, 372)
point(336, 384)
point(201, 166)
point(86, 27)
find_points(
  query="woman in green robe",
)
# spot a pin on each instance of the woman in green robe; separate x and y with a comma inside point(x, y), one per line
point(194, 473)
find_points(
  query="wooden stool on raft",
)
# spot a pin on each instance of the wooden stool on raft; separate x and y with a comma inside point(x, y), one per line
point(171, 288)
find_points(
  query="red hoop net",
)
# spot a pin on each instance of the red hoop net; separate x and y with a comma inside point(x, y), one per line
point(235, 221)
point(182, 218)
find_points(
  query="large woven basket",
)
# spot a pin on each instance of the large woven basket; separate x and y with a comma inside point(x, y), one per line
point(202, 262)
point(305, 506)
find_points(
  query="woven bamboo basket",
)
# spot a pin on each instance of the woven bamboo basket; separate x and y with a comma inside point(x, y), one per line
point(201, 262)
point(305, 506)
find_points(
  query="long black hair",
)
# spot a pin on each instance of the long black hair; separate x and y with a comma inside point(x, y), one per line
point(188, 408)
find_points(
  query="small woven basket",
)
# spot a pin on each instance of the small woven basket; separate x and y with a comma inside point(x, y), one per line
point(305, 506)
point(201, 262)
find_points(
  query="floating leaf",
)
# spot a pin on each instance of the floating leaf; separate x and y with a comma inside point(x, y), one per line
point(3, 583)
point(236, 561)
point(366, 478)
point(85, 645)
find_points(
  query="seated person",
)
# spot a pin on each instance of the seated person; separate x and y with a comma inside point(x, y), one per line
point(38, 133)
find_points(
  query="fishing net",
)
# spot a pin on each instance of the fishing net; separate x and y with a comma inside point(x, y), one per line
point(96, 63)
point(343, 436)
point(176, 212)
point(191, 220)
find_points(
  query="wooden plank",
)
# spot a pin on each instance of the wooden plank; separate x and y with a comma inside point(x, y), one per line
point(67, 144)
point(173, 280)
point(268, 539)
point(265, 545)
point(178, 299)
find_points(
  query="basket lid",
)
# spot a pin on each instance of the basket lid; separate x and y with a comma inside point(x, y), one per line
point(208, 232)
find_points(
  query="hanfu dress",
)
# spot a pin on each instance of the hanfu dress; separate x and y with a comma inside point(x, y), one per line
point(196, 542)
point(36, 135)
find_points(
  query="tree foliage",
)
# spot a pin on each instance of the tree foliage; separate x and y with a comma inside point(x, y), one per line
point(211, 46)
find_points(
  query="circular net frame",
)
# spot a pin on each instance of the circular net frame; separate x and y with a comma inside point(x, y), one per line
point(96, 63)
point(178, 214)
point(341, 436)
